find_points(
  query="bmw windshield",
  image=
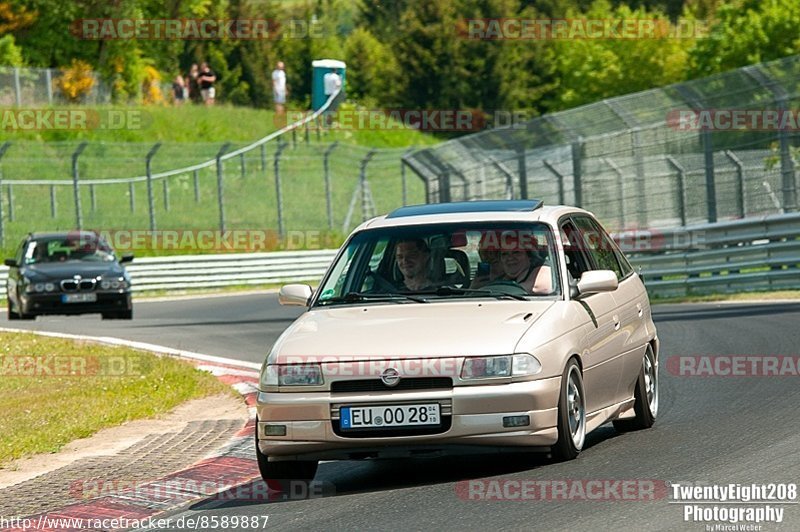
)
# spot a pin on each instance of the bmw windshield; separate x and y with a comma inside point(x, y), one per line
point(54, 250)
point(424, 263)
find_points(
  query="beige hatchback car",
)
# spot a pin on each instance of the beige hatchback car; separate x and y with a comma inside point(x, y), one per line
point(460, 327)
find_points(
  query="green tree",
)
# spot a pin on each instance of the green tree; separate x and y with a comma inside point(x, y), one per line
point(371, 67)
point(588, 70)
point(747, 32)
point(10, 53)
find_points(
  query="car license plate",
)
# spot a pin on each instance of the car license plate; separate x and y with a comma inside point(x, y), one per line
point(389, 416)
point(79, 298)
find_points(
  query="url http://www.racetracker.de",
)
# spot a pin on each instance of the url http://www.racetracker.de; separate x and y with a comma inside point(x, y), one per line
point(200, 522)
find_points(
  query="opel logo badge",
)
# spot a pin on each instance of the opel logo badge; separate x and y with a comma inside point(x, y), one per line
point(390, 377)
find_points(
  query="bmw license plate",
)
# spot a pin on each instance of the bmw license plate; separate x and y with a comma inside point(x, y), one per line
point(389, 416)
point(79, 298)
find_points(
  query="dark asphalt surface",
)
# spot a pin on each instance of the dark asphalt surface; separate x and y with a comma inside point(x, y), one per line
point(710, 430)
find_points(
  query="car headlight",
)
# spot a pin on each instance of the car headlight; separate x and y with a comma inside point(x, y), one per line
point(292, 375)
point(40, 287)
point(113, 284)
point(500, 366)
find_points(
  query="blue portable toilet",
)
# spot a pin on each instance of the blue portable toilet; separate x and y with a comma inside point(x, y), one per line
point(320, 67)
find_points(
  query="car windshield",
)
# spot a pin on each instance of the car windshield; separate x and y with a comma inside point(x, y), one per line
point(59, 249)
point(426, 263)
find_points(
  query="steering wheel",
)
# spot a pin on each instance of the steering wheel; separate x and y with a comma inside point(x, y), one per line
point(380, 281)
point(505, 286)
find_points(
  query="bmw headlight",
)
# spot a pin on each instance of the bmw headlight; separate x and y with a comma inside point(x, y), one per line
point(113, 284)
point(40, 288)
point(291, 375)
point(500, 366)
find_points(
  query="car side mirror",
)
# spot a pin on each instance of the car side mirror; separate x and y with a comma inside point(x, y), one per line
point(12, 263)
point(295, 295)
point(127, 257)
point(595, 281)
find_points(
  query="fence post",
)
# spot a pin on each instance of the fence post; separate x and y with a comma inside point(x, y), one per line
point(196, 176)
point(444, 186)
point(3, 150)
point(76, 189)
point(220, 188)
point(49, 80)
point(278, 193)
point(53, 210)
point(782, 98)
point(681, 187)
point(559, 176)
point(294, 138)
point(327, 174)
point(17, 87)
point(93, 197)
point(522, 169)
point(620, 188)
point(403, 182)
point(696, 103)
point(131, 193)
point(151, 204)
point(263, 156)
point(366, 195)
point(577, 173)
point(306, 133)
point(11, 216)
point(165, 186)
point(740, 188)
point(242, 164)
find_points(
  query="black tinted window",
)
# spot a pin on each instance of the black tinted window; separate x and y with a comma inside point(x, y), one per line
point(599, 245)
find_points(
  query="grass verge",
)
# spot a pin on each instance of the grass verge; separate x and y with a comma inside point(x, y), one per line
point(54, 391)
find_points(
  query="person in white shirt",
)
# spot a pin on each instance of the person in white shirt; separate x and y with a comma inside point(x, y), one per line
point(279, 88)
point(332, 82)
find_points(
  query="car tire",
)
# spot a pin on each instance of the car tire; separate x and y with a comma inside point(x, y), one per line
point(645, 397)
point(278, 475)
point(13, 316)
point(571, 414)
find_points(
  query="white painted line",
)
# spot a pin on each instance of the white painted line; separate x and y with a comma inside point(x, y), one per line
point(146, 347)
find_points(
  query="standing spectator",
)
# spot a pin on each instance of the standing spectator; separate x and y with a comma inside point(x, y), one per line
point(179, 90)
point(194, 84)
point(279, 88)
point(207, 79)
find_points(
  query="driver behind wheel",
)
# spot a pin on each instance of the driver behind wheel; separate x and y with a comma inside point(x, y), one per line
point(521, 262)
point(413, 258)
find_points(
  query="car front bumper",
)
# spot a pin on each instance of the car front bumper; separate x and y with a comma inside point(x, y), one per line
point(51, 303)
point(472, 417)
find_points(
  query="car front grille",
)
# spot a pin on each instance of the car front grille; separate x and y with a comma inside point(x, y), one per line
point(376, 385)
point(76, 285)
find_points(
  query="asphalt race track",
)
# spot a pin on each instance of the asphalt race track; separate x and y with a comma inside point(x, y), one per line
point(710, 430)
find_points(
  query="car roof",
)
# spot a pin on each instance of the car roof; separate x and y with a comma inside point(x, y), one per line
point(473, 211)
point(63, 234)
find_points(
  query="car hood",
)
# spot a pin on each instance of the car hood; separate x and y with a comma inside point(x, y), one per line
point(408, 330)
point(64, 270)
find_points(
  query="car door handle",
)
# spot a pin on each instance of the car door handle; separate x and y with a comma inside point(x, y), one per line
point(639, 308)
point(616, 322)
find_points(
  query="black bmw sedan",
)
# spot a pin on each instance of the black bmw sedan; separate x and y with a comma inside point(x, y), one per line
point(73, 272)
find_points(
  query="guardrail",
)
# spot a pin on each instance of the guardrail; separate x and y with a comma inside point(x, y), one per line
point(745, 255)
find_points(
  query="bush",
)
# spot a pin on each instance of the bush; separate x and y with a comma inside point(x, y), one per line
point(76, 81)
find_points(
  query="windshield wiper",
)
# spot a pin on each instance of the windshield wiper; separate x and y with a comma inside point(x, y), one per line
point(355, 297)
point(452, 291)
